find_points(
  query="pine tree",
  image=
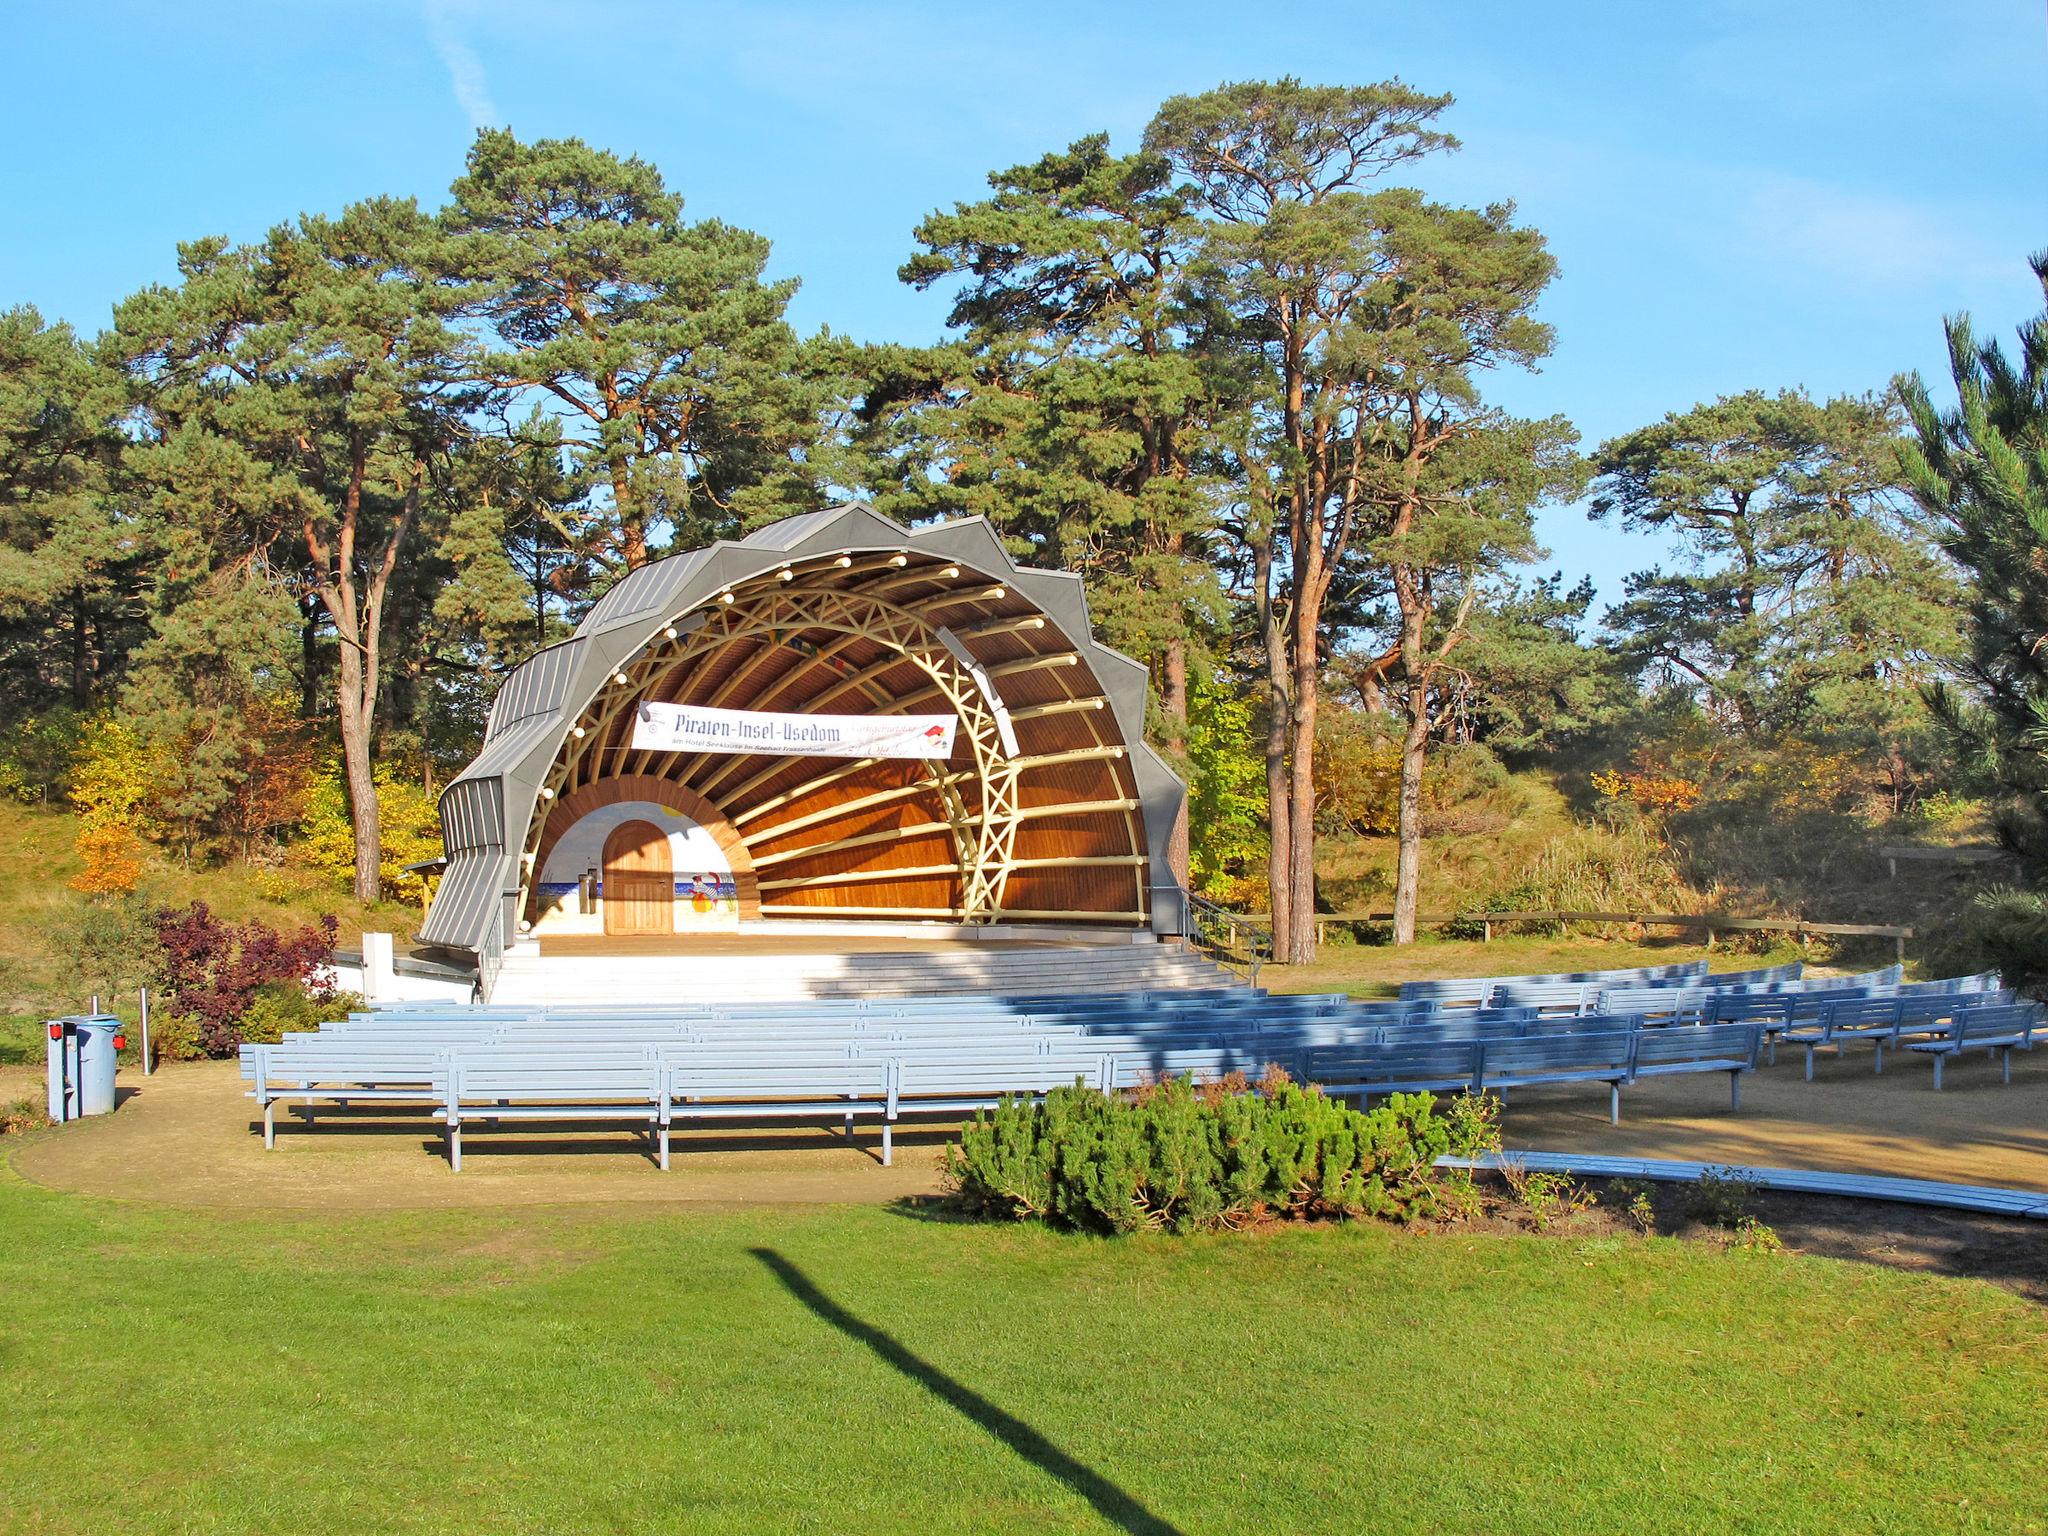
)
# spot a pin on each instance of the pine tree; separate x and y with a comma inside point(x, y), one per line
point(656, 343)
point(1073, 411)
point(76, 548)
point(1982, 469)
point(301, 397)
point(1367, 318)
point(1816, 602)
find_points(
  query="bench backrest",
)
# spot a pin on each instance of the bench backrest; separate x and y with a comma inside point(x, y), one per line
point(1480, 987)
point(1434, 1061)
point(1698, 1042)
point(1611, 1050)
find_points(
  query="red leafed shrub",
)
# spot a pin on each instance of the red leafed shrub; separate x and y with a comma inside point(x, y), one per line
point(213, 969)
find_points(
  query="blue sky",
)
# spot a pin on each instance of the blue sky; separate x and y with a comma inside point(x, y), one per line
point(1750, 193)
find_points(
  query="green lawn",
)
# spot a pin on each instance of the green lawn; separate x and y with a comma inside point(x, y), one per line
point(1377, 970)
point(860, 1370)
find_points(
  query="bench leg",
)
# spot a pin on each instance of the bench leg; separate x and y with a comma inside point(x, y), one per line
point(269, 1124)
point(455, 1146)
point(1614, 1103)
point(1735, 1090)
point(1937, 1072)
point(888, 1142)
point(1773, 1044)
point(1880, 1058)
point(663, 1140)
point(1809, 1063)
point(2005, 1056)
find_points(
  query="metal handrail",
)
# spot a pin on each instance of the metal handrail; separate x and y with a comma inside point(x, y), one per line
point(1229, 938)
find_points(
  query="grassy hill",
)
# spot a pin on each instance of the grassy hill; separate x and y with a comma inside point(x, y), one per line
point(1521, 842)
point(58, 947)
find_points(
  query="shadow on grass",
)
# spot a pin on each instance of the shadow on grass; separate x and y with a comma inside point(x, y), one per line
point(1110, 1501)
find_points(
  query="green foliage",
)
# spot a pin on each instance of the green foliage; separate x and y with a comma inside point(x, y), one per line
point(657, 345)
point(1226, 785)
point(24, 1115)
point(282, 1007)
point(36, 755)
point(1546, 1199)
point(1753, 1236)
point(1179, 1158)
point(1077, 410)
point(1525, 683)
point(76, 552)
point(176, 1036)
point(410, 822)
point(1981, 468)
point(1633, 1197)
point(1816, 607)
point(2004, 929)
point(1721, 1197)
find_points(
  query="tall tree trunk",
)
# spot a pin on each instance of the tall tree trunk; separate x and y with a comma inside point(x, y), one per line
point(309, 657)
point(357, 719)
point(1279, 723)
point(356, 607)
point(1408, 861)
point(1173, 701)
point(1301, 787)
point(81, 666)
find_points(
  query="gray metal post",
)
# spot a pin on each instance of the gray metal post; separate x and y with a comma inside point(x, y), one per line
point(145, 1032)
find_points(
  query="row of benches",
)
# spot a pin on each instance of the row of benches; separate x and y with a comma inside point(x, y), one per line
point(663, 1085)
point(888, 1058)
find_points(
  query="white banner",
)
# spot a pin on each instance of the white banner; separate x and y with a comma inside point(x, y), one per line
point(768, 733)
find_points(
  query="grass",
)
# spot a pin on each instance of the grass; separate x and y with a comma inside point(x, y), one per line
point(1377, 970)
point(825, 1368)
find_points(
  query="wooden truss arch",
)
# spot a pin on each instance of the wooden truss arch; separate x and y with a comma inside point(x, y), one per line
point(893, 636)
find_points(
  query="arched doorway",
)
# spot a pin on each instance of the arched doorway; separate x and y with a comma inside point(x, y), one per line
point(639, 881)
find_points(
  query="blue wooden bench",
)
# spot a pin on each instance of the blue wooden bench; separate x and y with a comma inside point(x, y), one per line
point(785, 1089)
point(1730, 1048)
point(2000, 1028)
point(497, 1087)
point(302, 1077)
point(1366, 1072)
point(1606, 1057)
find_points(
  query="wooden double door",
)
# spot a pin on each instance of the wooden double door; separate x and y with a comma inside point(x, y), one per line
point(639, 880)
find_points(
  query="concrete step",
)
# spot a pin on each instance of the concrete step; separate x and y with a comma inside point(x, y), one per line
point(573, 979)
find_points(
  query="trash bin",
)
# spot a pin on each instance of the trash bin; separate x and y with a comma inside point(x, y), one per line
point(83, 1053)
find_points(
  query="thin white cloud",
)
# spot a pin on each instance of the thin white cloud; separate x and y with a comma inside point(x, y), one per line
point(1879, 246)
point(465, 70)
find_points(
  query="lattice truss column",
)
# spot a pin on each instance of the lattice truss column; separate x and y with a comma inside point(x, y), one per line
point(860, 631)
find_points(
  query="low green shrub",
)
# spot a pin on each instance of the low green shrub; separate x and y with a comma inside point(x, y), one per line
point(1720, 1196)
point(1545, 1198)
point(1633, 1197)
point(1180, 1158)
point(175, 1036)
point(2004, 929)
point(281, 1007)
point(1752, 1236)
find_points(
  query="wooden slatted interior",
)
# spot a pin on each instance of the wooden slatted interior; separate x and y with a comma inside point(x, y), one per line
point(870, 819)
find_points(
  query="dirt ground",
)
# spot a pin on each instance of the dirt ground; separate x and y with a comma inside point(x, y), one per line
point(1977, 1130)
point(187, 1137)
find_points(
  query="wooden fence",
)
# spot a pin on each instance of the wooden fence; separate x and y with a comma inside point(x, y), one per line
point(1711, 924)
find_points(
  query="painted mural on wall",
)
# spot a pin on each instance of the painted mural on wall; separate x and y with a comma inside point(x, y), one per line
point(571, 885)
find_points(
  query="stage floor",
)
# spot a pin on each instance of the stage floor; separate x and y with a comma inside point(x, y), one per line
point(700, 944)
